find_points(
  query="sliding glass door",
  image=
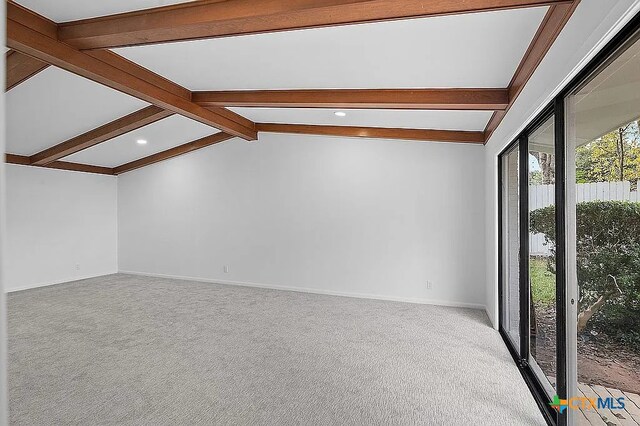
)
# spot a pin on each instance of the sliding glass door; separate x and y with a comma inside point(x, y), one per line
point(603, 206)
point(569, 253)
point(542, 251)
point(530, 304)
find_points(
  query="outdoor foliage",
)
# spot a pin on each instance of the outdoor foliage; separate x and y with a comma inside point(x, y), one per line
point(608, 264)
point(612, 157)
point(543, 282)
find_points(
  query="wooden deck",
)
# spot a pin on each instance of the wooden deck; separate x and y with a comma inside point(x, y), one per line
point(630, 416)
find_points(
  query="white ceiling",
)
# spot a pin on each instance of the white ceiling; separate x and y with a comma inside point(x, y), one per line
point(71, 10)
point(412, 119)
point(473, 50)
point(55, 105)
point(161, 135)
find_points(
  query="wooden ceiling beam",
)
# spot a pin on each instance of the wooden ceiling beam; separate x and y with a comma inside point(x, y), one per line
point(551, 26)
point(21, 67)
point(32, 20)
point(23, 35)
point(130, 67)
point(76, 167)
point(173, 152)
point(62, 165)
point(216, 18)
point(140, 72)
point(438, 99)
point(118, 127)
point(375, 132)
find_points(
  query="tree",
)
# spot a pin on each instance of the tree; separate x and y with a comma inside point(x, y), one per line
point(547, 173)
point(612, 157)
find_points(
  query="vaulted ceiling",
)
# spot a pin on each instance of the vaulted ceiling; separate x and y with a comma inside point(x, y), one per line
point(88, 80)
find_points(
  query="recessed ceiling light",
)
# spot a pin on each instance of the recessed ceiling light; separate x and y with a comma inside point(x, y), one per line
point(340, 114)
point(142, 141)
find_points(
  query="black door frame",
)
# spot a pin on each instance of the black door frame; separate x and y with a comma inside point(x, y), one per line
point(627, 36)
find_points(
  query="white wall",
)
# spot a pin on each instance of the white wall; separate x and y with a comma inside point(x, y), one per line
point(345, 216)
point(3, 331)
point(592, 25)
point(61, 226)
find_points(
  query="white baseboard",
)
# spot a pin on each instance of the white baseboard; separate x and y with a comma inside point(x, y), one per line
point(492, 321)
point(48, 283)
point(315, 291)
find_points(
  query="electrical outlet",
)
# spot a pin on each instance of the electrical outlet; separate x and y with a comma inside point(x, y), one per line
point(77, 266)
point(429, 285)
point(226, 269)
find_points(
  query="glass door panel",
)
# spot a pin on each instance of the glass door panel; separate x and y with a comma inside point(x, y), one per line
point(542, 241)
point(603, 236)
point(511, 246)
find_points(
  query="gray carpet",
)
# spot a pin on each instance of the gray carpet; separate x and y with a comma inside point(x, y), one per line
point(125, 349)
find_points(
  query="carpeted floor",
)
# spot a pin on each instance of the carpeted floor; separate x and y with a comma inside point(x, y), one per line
point(126, 349)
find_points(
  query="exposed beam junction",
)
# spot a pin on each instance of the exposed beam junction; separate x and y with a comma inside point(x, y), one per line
point(24, 35)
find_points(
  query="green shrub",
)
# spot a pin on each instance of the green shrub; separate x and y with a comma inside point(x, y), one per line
point(608, 263)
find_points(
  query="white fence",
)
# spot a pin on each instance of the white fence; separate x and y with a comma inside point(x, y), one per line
point(543, 195)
